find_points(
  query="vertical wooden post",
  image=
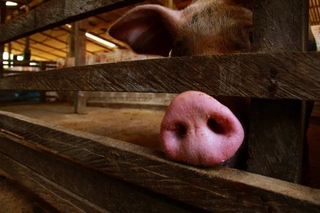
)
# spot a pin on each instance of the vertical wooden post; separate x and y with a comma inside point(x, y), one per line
point(11, 62)
point(43, 94)
point(2, 20)
point(80, 59)
point(71, 42)
point(277, 126)
point(27, 51)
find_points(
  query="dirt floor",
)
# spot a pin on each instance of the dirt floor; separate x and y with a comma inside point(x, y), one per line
point(112, 122)
point(143, 130)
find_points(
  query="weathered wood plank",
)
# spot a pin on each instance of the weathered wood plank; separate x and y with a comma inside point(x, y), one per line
point(2, 20)
point(48, 64)
point(279, 30)
point(80, 188)
point(56, 13)
point(275, 139)
point(277, 127)
point(221, 189)
point(293, 75)
point(61, 199)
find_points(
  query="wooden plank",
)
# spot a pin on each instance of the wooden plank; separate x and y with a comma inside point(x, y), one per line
point(275, 139)
point(276, 130)
point(279, 25)
point(293, 75)
point(61, 199)
point(25, 63)
point(2, 20)
point(221, 189)
point(87, 190)
point(49, 64)
point(55, 13)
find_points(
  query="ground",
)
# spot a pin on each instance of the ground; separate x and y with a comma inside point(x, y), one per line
point(140, 126)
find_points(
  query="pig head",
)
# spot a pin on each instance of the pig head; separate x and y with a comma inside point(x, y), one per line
point(205, 27)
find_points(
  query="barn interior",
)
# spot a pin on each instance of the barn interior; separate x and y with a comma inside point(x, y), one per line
point(54, 44)
point(126, 116)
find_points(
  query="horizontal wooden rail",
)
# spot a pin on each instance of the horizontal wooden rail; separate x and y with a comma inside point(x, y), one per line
point(56, 13)
point(62, 156)
point(293, 75)
point(73, 188)
point(62, 199)
point(16, 72)
point(29, 63)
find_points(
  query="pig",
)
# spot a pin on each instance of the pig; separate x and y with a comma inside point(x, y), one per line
point(196, 128)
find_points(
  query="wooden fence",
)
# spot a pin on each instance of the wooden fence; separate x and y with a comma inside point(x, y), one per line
point(81, 172)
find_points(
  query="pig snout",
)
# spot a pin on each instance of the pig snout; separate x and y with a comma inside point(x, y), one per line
point(198, 130)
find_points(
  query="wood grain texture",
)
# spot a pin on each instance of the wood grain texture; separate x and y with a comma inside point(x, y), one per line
point(56, 13)
point(213, 190)
point(62, 199)
point(80, 188)
point(276, 130)
point(2, 20)
point(279, 25)
point(291, 75)
point(275, 139)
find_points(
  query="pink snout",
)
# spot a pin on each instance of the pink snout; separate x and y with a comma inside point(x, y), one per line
point(199, 130)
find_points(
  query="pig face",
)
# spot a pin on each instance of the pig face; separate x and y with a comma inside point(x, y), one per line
point(196, 128)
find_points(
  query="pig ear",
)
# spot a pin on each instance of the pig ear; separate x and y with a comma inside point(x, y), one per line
point(147, 29)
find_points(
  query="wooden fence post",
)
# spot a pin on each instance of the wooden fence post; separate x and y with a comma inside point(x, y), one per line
point(2, 20)
point(80, 60)
point(276, 134)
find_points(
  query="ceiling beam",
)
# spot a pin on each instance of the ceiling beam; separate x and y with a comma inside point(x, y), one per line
point(33, 55)
point(46, 45)
point(41, 50)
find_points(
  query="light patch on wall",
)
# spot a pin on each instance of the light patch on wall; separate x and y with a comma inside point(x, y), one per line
point(11, 4)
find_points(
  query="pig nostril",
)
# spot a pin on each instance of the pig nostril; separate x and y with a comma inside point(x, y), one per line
point(181, 130)
point(214, 126)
